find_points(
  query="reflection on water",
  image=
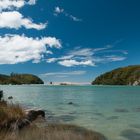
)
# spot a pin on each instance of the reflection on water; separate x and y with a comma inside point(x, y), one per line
point(113, 111)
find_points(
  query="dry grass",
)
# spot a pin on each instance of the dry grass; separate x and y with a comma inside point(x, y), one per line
point(10, 113)
point(53, 132)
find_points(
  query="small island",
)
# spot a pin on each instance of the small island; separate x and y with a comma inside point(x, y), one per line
point(19, 79)
point(122, 76)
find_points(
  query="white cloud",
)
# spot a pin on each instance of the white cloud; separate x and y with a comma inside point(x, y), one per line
point(64, 73)
point(89, 57)
point(59, 10)
point(70, 63)
point(51, 60)
point(14, 19)
point(31, 2)
point(14, 4)
point(82, 52)
point(115, 58)
point(74, 18)
point(17, 49)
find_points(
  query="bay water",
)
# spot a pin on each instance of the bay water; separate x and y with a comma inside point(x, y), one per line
point(113, 111)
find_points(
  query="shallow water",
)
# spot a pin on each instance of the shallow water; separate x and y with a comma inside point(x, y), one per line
point(112, 110)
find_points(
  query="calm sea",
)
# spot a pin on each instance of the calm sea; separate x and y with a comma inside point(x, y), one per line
point(112, 110)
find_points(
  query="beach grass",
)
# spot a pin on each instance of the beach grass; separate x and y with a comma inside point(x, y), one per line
point(10, 112)
point(52, 132)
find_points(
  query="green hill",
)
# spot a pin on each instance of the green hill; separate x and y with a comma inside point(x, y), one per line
point(19, 79)
point(122, 76)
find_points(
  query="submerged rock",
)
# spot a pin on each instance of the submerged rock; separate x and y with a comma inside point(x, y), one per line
point(10, 97)
point(121, 110)
point(70, 103)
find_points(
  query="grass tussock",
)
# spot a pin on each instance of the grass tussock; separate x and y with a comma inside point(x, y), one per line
point(10, 113)
point(53, 132)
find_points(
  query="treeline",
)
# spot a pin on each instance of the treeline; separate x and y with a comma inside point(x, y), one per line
point(122, 76)
point(19, 79)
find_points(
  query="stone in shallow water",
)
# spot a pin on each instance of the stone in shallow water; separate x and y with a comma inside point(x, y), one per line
point(70, 103)
point(131, 134)
point(10, 97)
point(121, 110)
point(73, 104)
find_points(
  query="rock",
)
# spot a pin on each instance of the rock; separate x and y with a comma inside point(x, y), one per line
point(1, 94)
point(136, 83)
point(34, 114)
point(121, 110)
point(10, 97)
point(70, 103)
point(31, 116)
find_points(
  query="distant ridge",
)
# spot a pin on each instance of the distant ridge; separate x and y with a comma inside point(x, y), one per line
point(129, 75)
point(19, 79)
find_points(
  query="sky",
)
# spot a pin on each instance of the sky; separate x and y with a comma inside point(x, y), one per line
point(68, 41)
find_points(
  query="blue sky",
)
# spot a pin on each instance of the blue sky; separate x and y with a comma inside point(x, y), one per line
point(68, 41)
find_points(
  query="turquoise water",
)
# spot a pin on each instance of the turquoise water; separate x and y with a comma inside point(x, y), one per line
point(112, 110)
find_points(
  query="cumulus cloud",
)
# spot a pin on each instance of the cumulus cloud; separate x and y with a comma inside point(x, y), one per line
point(14, 4)
point(89, 57)
point(14, 19)
point(70, 63)
point(18, 49)
point(58, 11)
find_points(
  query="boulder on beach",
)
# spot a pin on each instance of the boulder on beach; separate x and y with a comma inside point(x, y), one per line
point(34, 114)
